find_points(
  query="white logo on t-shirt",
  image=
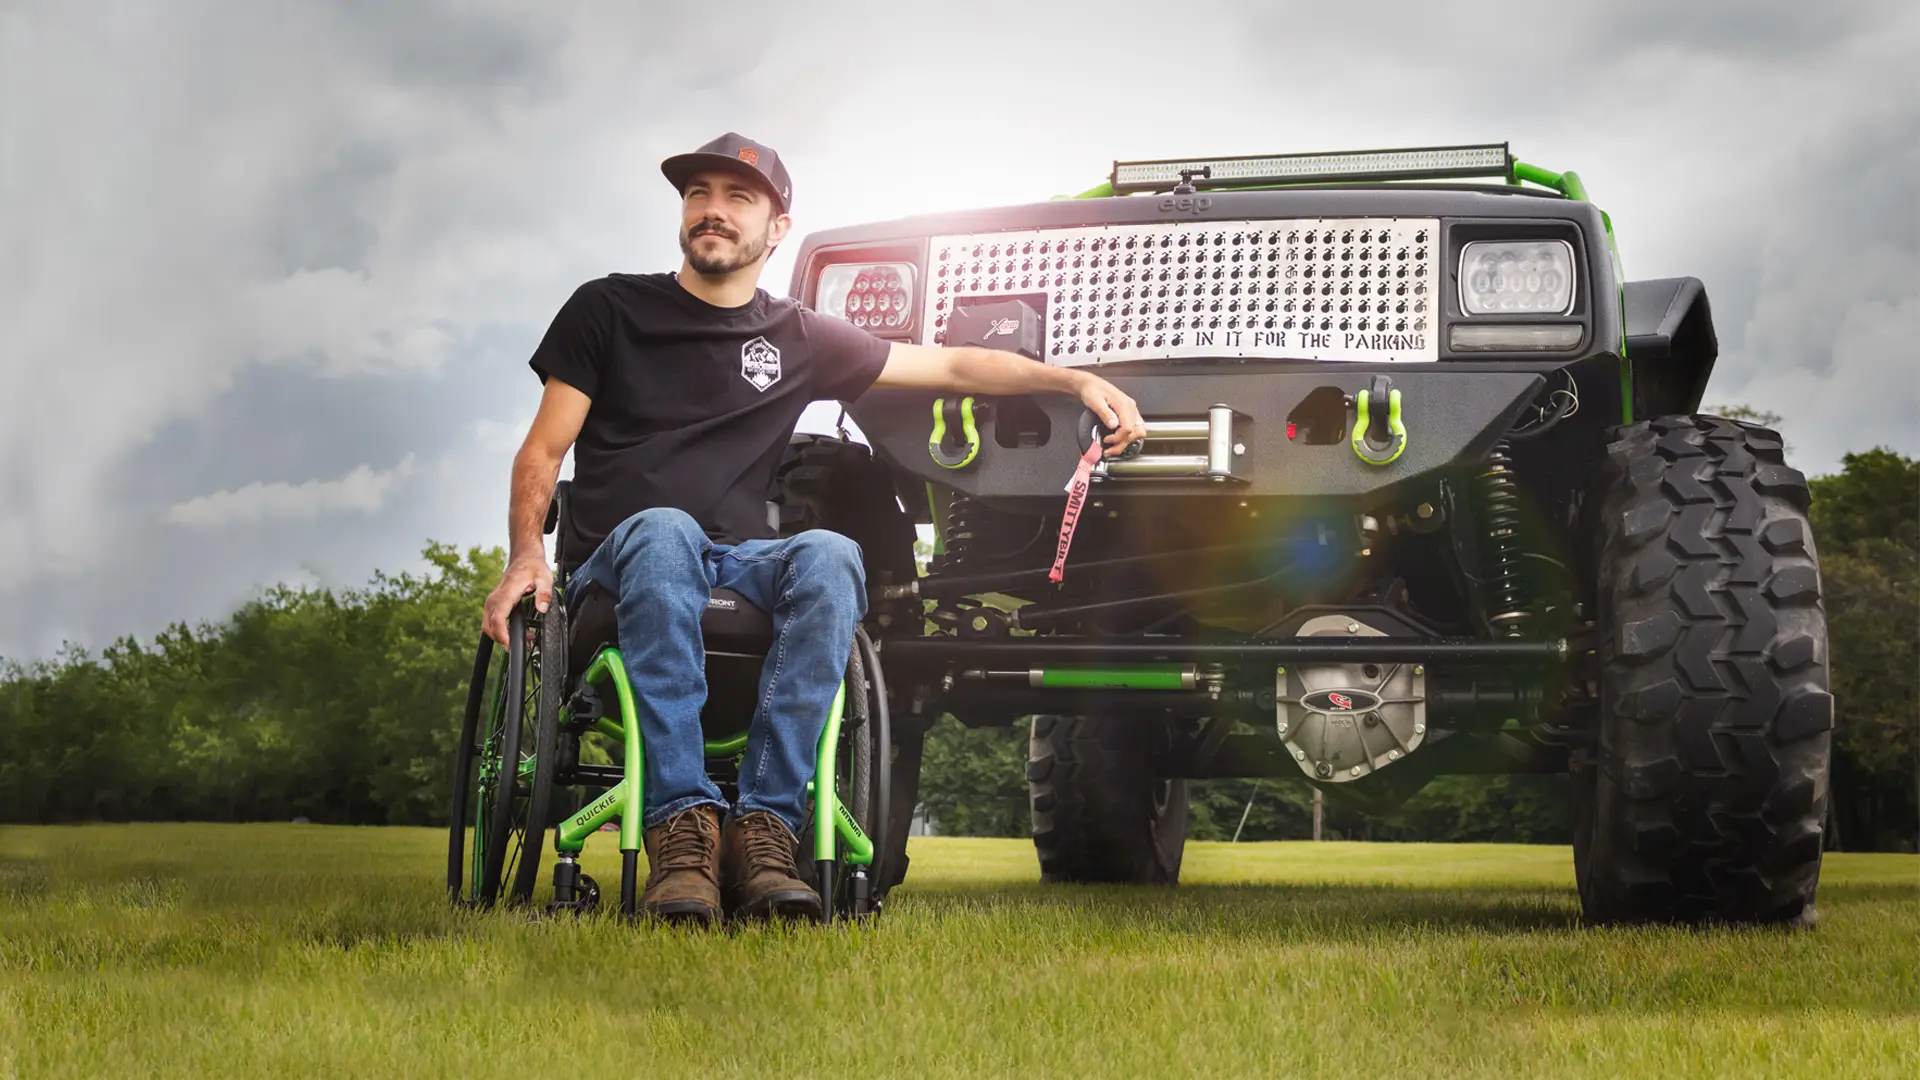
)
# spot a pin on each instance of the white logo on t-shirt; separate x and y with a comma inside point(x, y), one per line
point(760, 363)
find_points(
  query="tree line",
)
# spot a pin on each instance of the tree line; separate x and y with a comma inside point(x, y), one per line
point(342, 707)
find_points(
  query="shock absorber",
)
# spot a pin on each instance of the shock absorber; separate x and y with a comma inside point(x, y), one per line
point(1506, 600)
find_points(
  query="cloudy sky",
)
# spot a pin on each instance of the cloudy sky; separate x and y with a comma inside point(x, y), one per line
point(270, 271)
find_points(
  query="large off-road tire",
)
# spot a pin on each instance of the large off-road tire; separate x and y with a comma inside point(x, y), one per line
point(1705, 795)
point(1099, 812)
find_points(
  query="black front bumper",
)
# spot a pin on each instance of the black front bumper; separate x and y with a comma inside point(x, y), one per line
point(1452, 411)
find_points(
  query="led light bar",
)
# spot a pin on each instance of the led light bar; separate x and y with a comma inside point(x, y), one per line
point(1426, 163)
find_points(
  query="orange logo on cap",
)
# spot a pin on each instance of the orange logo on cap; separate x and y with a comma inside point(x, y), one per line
point(749, 155)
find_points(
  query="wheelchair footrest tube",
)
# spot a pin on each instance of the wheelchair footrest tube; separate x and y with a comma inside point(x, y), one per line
point(823, 872)
point(629, 883)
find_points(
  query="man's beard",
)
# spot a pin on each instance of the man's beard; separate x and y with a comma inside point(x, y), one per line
point(716, 264)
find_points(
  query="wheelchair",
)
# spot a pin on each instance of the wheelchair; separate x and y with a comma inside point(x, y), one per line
point(555, 715)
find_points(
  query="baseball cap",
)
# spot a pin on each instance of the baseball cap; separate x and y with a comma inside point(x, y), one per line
point(735, 153)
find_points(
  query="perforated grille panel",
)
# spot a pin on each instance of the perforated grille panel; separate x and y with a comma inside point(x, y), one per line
point(1313, 289)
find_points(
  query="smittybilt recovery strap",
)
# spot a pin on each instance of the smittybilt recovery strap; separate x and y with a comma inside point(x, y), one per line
point(1076, 499)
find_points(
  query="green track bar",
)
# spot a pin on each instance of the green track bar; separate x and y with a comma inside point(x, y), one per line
point(1129, 677)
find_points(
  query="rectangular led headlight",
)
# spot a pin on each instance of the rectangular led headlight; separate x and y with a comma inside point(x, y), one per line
point(1527, 277)
point(1427, 163)
point(877, 297)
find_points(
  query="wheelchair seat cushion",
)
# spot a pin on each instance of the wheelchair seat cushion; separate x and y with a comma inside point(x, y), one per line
point(730, 625)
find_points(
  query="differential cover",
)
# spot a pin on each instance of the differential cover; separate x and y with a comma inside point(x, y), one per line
point(1343, 721)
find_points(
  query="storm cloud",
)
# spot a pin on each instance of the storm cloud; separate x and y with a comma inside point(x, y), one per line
point(269, 272)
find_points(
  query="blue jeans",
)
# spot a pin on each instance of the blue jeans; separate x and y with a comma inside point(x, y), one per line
point(662, 569)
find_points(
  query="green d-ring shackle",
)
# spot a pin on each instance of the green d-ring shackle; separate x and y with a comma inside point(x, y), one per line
point(936, 443)
point(1397, 431)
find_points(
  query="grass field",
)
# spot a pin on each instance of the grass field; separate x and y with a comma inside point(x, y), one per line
point(296, 951)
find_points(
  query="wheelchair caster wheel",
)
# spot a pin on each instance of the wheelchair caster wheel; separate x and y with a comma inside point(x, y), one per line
point(586, 898)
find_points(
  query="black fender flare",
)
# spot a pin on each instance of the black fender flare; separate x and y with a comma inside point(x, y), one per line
point(1671, 342)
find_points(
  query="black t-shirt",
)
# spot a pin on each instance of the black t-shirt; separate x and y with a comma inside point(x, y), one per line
point(692, 404)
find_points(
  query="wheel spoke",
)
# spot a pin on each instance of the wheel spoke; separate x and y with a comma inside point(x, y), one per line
point(477, 864)
point(517, 834)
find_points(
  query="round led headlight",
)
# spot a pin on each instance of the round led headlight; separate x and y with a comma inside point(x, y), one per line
point(872, 296)
point(1524, 277)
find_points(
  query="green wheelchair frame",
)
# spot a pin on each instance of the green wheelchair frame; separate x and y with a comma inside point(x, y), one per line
point(831, 820)
point(504, 779)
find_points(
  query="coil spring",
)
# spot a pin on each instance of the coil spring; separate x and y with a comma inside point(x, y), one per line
point(962, 521)
point(1506, 597)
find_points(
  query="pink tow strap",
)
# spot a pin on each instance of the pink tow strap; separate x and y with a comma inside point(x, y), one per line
point(1076, 499)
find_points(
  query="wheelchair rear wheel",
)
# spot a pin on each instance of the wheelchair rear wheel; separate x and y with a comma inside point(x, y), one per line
point(501, 795)
point(460, 816)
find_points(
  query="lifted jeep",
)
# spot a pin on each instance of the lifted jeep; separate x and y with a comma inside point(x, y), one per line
point(1424, 491)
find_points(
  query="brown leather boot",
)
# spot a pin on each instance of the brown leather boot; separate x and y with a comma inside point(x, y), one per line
point(757, 864)
point(683, 867)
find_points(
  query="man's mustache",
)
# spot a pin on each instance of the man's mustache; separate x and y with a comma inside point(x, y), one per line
point(713, 227)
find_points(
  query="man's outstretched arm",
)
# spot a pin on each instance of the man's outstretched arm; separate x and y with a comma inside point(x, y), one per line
point(991, 371)
point(535, 469)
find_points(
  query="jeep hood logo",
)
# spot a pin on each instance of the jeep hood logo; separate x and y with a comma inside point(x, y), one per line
point(1185, 204)
point(1332, 701)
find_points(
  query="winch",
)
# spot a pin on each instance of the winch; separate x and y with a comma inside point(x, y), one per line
point(1343, 721)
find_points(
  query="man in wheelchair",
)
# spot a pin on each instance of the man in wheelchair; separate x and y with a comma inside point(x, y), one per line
point(677, 393)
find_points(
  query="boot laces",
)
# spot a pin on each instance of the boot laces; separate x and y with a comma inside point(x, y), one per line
point(686, 844)
point(768, 842)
